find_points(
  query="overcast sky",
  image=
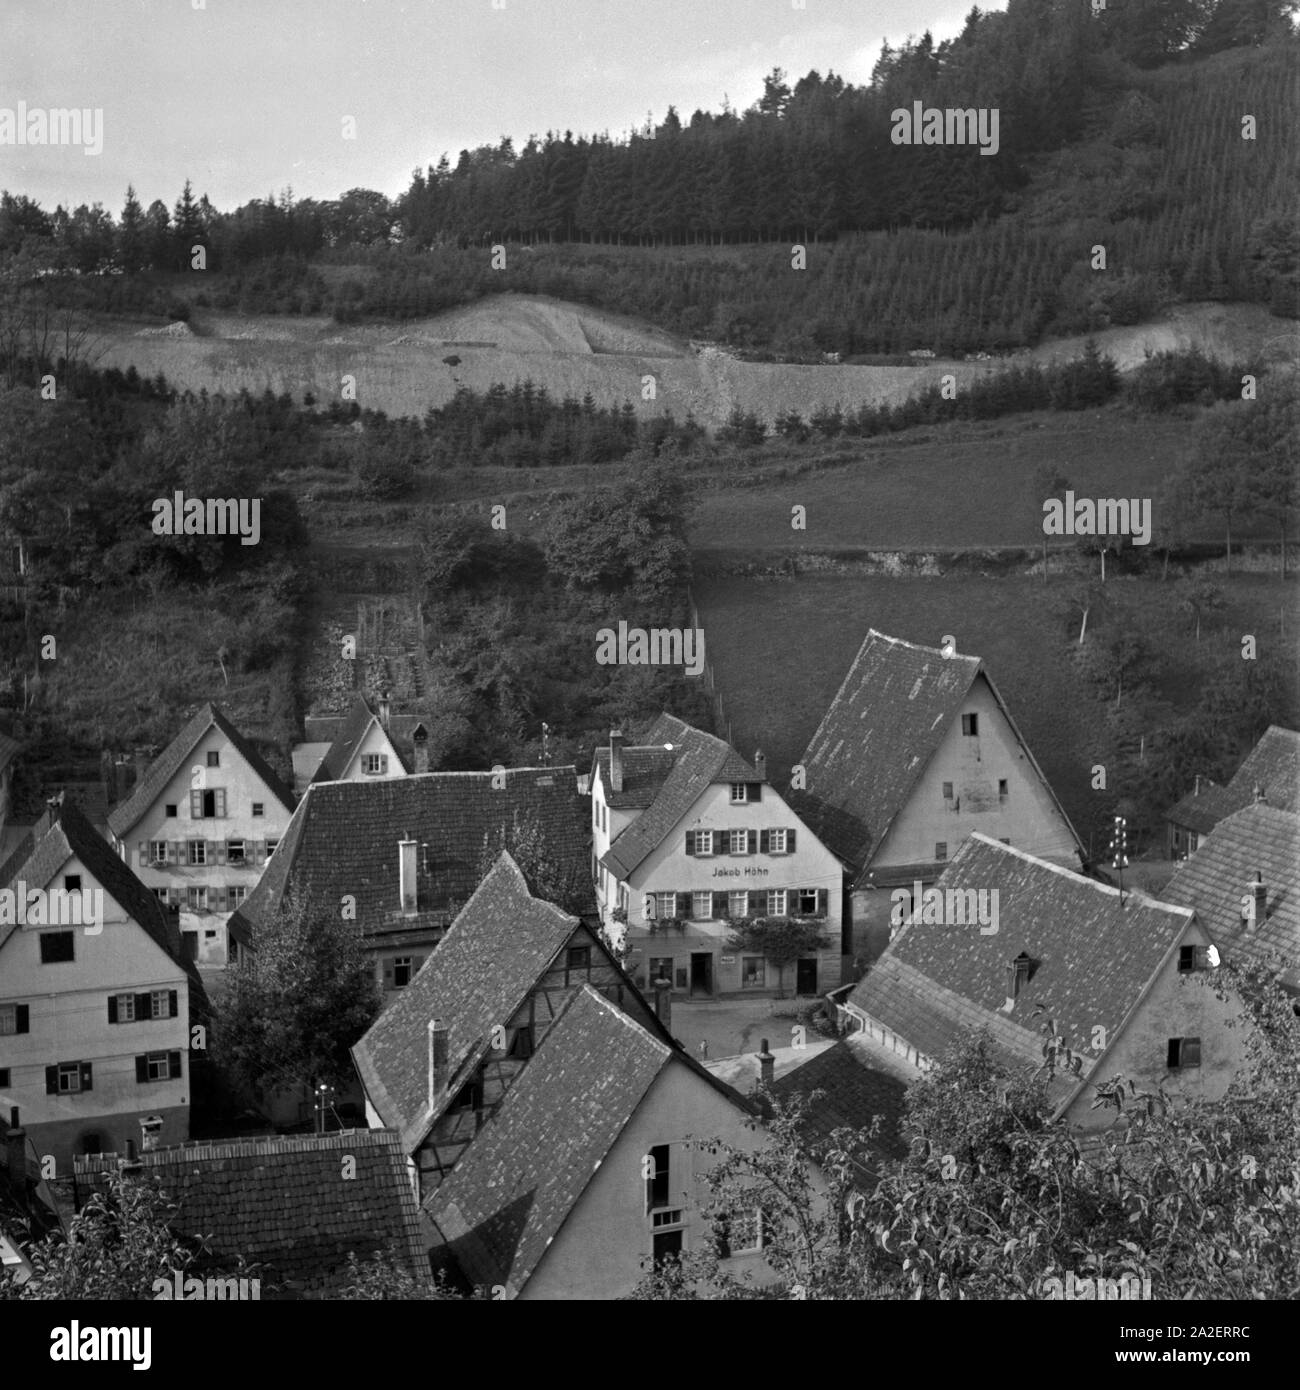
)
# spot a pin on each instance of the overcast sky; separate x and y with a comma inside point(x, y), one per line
point(246, 97)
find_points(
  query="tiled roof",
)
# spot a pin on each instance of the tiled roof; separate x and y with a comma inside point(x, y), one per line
point(343, 839)
point(1093, 960)
point(884, 725)
point(645, 770)
point(400, 730)
point(1272, 767)
point(1216, 878)
point(700, 759)
point(169, 762)
point(281, 1201)
point(495, 952)
point(513, 1188)
point(854, 1092)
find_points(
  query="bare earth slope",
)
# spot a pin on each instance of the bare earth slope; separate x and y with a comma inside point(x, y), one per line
point(403, 369)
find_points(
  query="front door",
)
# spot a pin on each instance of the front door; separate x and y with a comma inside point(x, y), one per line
point(701, 972)
point(806, 977)
point(190, 944)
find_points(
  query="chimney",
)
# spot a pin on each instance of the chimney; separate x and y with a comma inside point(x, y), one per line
point(766, 1065)
point(130, 1166)
point(663, 1001)
point(760, 764)
point(437, 1062)
point(16, 1150)
point(406, 875)
point(1259, 793)
point(383, 709)
point(615, 760)
point(1259, 898)
point(420, 740)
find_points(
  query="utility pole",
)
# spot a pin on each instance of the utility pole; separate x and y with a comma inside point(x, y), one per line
point(1119, 851)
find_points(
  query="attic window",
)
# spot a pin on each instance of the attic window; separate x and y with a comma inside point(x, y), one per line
point(941, 850)
point(947, 791)
point(1183, 1052)
point(375, 764)
point(72, 883)
point(970, 725)
point(1020, 970)
point(259, 808)
point(739, 793)
point(214, 759)
point(1003, 793)
point(170, 809)
point(1193, 958)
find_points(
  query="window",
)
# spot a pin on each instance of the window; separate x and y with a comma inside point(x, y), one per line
point(197, 851)
point(157, 851)
point(235, 852)
point(738, 841)
point(56, 946)
point(170, 809)
point(776, 842)
point(160, 1003)
point(970, 725)
point(136, 1008)
point(661, 968)
point(703, 842)
point(1003, 793)
point(739, 793)
point(753, 971)
point(941, 850)
point(702, 906)
point(1193, 958)
point(738, 903)
point(196, 898)
point(162, 894)
point(72, 883)
point(206, 805)
point(236, 894)
point(521, 1045)
point(401, 972)
point(470, 1096)
point(947, 791)
point(121, 1008)
point(4, 1078)
point(259, 808)
point(1020, 970)
point(158, 1066)
point(667, 1246)
point(1184, 1052)
point(13, 1019)
point(577, 960)
point(271, 847)
point(741, 1232)
point(776, 906)
point(68, 1078)
point(214, 759)
point(656, 1177)
point(807, 901)
point(670, 1216)
point(374, 764)
point(666, 904)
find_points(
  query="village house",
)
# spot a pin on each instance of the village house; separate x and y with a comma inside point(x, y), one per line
point(688, 838)
point(200, 825)
point(1118, 975)
point(371, 741)
point(1244, 885)
point(593, 1169)
point(435, 1065)
point(94, 1024)
point(917, 750)
point(285, 1211)
point(1270, 772)
point(403, 855)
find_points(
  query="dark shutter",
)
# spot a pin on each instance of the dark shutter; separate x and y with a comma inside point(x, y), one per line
point(751, 841)
point(823, 899)
point(173, 1065)
point(142, 1069)
point(789, 841)
point(754, 792)
point(210, 855)
point(143, 1007)
point(20, 1018)
point(758, 902)
point(51, 1081)
point(142, 848)
point(221, 801)
point(683, 904)
point(173, 851)
point(112, 1008)
point(719, 905)
point(388, 974)
point(690, 842)
point(86, 1077)
point(196, 805)
point(221, 851)
point(172, 1003)
point(764, 842)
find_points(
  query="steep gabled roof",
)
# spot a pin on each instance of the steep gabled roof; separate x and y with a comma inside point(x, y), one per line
point(172, 759)
point(1272, 766)
point(513, 1188)
point(1213, 882)
point(278, 1201)
point(645, 770)
point(1203, 807)
point(494, 953)
point(1093, 961)
point(882, 728)
point(699, 759)
point(399, 731)
point(343, 839)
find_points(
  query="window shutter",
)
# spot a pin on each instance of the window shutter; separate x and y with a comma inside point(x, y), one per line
point(754, 791)
point(21, 1017)
point(789, 841)
point(196, 804)
point(690, 842)
point(221, 801)
point(173, 1003)
point(259, 851)
point(173, 1064)
point(684, 905)
point(143, 1007)
point(719, 905)
point(823, 901)
point(142, 1069)
point(51, 1081)
point(764, 842)
point(86, 1076)
point(210, 852)
point(758, 902)
point(173, 851)
point(388, 974)
point(112, 1008)
point(221, 851)
point(751, 841)
point(142, 849)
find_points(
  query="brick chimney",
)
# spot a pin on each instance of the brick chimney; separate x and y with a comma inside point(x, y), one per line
point(384, 709)
point(437, 1062)
point(16, 1150)
point(615, 760)
point(760, 764)
point(766, 1065)
point(1259, 898)
point(663, 1001)
point(130, 1166)
point(1259, 793)
point(406, 879)
point(420, 741)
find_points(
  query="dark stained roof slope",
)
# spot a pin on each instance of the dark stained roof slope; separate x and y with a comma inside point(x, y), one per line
point(170, 761)
point(699, 759)
point(1093, 959)
point(1272, 767)
point(853, 1094)
point(400, 730)
point(515, 1185)
point(645, 770)
point(343, 839)
point(280, 1201)
point(1216, 878)
point(1202, 808)
point(881, 730)
point(497, 949)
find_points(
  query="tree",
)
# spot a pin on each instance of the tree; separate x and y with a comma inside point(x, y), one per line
point(381, 1277)
point(297, 1003)
point(567, 885)
point(780, 940)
